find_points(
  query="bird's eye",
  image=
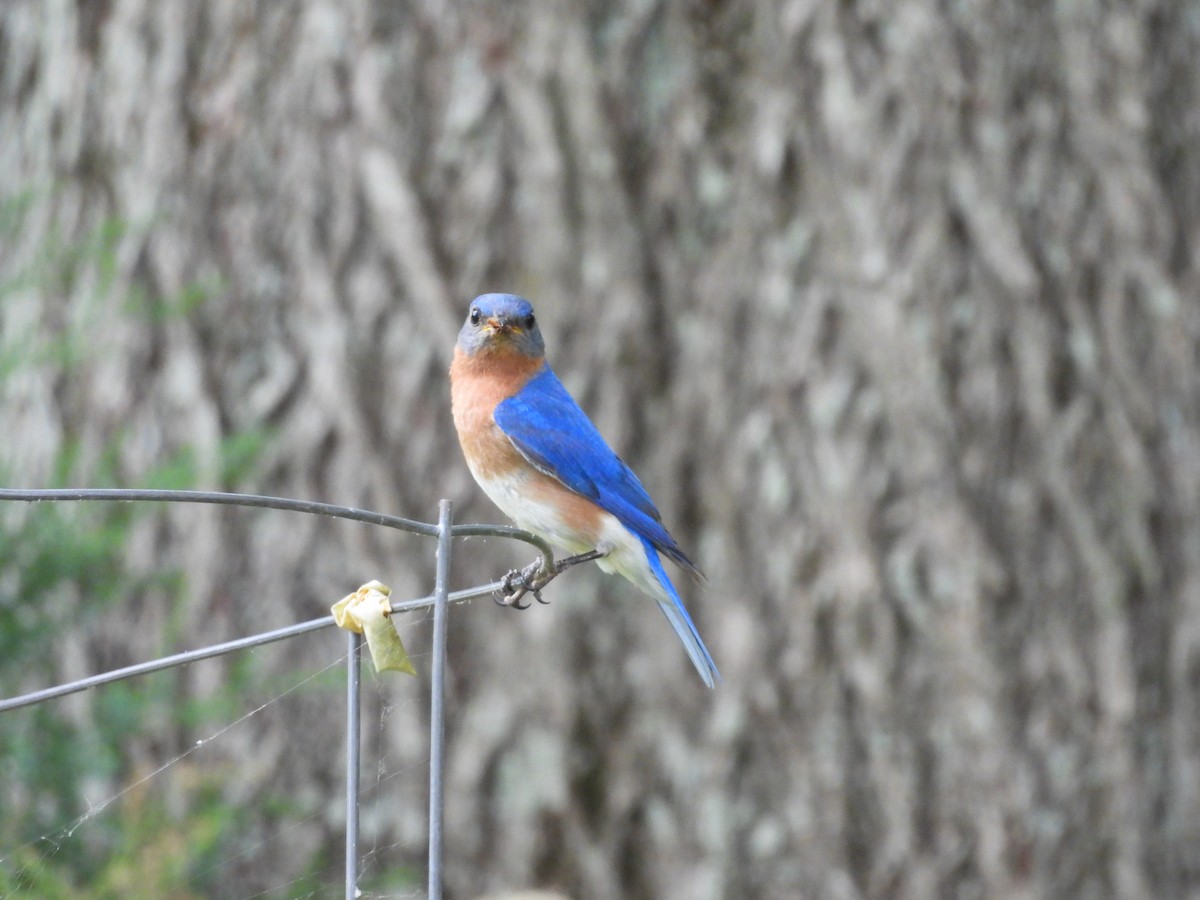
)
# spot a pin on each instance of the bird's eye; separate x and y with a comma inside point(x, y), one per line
point(530, 322)
point(474, 316)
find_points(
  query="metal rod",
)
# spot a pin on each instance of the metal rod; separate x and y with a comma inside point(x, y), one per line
point(190, 656)
point(285, 503)
point(221, 498)
point(353, 758)
point(440, 601)
point(166, 662)
point(437, 705)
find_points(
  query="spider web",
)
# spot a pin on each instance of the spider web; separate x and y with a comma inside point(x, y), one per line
point(382, 870)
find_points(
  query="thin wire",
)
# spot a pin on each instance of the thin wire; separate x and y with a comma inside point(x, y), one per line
point(166, 662)
point(252, 500)
point(98, 808)
point(311, 507)
point(437, 705)
point(440, 600)
point(353, 759)
point(256, 640)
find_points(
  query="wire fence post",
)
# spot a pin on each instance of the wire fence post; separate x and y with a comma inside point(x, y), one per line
point(437, 705)
point(353, 758)
point(440, 600)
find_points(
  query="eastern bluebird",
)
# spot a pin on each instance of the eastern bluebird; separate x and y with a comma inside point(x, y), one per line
point(542, 461)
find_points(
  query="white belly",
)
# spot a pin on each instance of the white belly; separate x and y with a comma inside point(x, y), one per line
point(544, 519)
point(625, 554)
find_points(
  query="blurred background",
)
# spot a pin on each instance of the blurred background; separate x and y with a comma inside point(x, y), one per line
point(893, 307)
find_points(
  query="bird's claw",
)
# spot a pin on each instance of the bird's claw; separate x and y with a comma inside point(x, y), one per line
point(513, 600)
point(516, 583)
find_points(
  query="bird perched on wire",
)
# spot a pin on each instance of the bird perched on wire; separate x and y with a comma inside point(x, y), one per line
point(542, 461)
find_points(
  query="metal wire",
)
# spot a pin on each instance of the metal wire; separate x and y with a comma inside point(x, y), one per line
point(285, 503)
point(256, 640)
point(166, 662)
point(353, 758)
point(439, 600)
point(437, 705)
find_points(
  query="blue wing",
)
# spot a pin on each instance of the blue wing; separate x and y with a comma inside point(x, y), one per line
point(550, 430)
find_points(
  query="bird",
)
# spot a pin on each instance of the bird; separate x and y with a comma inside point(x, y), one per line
point(540, 459)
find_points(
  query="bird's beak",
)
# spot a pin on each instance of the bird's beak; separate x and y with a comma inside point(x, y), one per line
point(502, 325)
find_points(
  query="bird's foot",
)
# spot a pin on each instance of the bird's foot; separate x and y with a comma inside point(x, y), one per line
point(516, 583)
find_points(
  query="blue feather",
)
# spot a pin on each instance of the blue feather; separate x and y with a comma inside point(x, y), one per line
point(550, 430)
point(677, 615)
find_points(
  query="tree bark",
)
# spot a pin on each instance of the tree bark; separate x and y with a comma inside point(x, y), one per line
point(892, 307)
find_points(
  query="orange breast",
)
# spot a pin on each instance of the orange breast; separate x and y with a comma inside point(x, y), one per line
point(538, 502)
point(477, 384)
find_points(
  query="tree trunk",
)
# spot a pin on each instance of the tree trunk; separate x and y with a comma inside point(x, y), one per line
point(892, 308)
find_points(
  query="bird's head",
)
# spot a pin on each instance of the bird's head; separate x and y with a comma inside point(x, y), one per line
point(501, 323)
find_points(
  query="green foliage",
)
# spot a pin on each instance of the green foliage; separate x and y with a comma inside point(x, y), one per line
point(62, 567)
point(146, 850)
point(84, 269)
point(396, 881)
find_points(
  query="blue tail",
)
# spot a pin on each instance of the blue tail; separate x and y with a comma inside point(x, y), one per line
point(677, 615)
